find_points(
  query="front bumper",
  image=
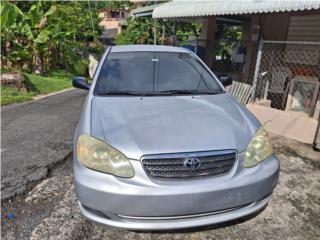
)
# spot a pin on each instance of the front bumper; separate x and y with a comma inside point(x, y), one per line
point(177, 222)
point(143, 203)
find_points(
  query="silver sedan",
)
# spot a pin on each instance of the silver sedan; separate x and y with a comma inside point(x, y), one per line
point(161, 145)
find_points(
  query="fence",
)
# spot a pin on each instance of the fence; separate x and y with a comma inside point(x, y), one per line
point(287, 76)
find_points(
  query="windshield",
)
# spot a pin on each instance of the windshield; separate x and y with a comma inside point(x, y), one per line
point(154, 73)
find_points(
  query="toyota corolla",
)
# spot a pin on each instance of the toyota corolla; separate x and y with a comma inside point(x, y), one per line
point(161, 145)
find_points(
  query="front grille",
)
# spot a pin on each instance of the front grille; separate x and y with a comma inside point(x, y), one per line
point(177, 167)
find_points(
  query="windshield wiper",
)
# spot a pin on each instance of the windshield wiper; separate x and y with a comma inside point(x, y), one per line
point(191, 92)
point(125, 93)
point(169, 92)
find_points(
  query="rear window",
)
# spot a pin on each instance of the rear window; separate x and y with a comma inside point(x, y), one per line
point(154, 73)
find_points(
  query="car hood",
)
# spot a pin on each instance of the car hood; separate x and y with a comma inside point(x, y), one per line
point(139, 126)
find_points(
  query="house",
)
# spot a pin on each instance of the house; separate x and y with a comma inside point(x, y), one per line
point(278, 54)
point(112, 21)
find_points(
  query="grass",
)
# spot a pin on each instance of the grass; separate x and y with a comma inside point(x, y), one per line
point(52, 82)
point(11, 95)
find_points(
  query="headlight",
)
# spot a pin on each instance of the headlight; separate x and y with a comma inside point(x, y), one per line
point(97, 155)
point(258, 149)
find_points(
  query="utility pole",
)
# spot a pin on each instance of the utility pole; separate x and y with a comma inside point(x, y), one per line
point(90, 16)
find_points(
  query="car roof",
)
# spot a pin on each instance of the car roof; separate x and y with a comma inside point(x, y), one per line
point(147, 48)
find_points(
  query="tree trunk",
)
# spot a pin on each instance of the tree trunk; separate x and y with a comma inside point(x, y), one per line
point(8, 63)
point(36, 62)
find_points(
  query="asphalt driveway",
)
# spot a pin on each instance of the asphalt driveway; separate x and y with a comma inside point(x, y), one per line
point(36, 135)
point(50, 211)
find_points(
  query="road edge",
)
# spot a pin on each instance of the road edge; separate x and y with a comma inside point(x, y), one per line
point(41, 96)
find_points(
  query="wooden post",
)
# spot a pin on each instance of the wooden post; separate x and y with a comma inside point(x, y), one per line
point(251, 47)
point(155, 31)
point(208, 33)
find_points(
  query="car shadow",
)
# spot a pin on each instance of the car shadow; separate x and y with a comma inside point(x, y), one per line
point(208, 227)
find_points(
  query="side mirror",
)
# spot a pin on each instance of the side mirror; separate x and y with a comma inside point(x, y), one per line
point(80, 82)
point(226, 81)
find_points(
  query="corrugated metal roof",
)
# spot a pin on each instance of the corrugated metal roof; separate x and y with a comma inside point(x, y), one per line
point(144, 11)
point(194, 8)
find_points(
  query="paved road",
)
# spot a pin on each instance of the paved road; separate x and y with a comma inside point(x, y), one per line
point(35, 136)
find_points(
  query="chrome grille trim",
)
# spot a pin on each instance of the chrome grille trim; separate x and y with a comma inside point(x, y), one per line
point(213, 163)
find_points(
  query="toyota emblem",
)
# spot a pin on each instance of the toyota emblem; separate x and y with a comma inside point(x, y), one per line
point(192, 163)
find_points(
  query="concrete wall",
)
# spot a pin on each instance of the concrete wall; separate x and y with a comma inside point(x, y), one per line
point(287, 124)
point(109, 24)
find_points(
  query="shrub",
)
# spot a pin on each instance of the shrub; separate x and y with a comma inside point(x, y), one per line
point(81, 67)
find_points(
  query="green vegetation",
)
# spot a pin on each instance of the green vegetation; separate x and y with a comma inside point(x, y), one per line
point(225, 36)
point(81, 67)
point(51, 82)
point(12, 95)
point(140, 31)
point(113, 4)
point(37, 36)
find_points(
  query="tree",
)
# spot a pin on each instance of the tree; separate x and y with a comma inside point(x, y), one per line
point(226, 35)
point(139, 30)
point(113, 4)
point(46, 34)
